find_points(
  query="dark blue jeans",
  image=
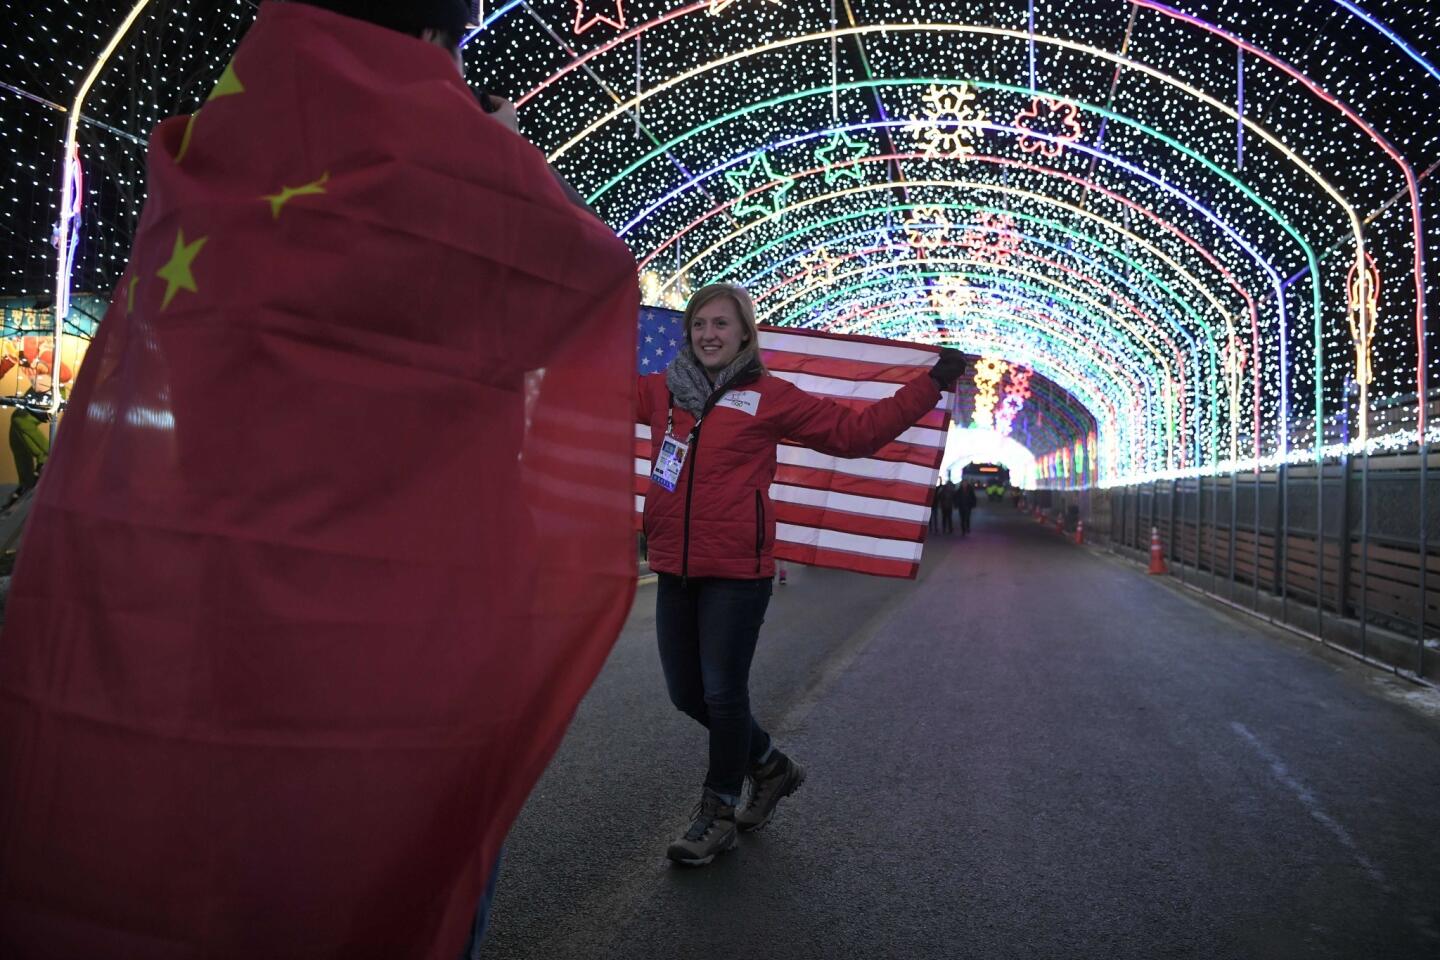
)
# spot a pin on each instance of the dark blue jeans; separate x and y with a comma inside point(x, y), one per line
point(482, 913)
point(707, 630)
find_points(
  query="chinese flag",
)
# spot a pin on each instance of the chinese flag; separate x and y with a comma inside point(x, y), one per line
point(337, 530)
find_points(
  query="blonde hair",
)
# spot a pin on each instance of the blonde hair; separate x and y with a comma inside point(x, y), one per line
point(744, 308)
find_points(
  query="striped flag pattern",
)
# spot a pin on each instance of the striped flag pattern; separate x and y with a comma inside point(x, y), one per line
point(867, 514)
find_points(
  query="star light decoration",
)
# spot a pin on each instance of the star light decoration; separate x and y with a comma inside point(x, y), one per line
point(950, 124)
point(584, 23)
point(838, 157)
point(754, 180)
point(817, 267)
point(1056, 122)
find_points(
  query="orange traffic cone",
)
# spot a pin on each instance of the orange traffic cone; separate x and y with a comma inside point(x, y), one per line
point(1080, 532)
point(1157, 553)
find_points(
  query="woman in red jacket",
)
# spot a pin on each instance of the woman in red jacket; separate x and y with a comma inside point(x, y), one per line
point(715, 418)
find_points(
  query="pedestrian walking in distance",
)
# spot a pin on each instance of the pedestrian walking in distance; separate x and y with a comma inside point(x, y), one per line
point(965, 500)
point(945, 503)
point(716, 416)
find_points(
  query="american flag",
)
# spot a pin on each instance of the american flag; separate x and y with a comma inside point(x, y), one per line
point(868, 514)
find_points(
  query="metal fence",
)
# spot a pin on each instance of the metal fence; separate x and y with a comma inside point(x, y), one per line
point(1338, 550)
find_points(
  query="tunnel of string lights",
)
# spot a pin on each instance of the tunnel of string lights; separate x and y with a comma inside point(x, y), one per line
point(1176, 240)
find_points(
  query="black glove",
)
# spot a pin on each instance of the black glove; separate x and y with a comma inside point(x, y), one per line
point(948, 368)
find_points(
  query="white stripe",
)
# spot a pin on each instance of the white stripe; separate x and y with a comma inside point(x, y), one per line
point(642, 467)
point(642, 431)
point(639, 503)
point(850, 503)
point(868, 352)
point(849, 542)
point(924, 436)
point(864, 467)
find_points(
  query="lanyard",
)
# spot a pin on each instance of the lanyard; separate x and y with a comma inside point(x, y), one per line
point(670, 419)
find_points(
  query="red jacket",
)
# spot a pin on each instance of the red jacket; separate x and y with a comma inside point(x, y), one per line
point(719, 522)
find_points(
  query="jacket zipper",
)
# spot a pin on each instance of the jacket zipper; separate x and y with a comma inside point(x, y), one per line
point(689, 491)
point(759, 529)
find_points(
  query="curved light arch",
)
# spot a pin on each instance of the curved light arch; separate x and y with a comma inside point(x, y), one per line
point(1116, 59)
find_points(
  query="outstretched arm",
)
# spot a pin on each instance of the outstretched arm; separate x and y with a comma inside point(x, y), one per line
point(835, 429)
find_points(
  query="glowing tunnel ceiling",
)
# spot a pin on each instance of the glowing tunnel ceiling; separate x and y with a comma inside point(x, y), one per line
point(1206, 227)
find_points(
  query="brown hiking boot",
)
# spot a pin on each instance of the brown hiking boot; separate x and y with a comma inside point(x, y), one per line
point(711, 832)
point(770, 783)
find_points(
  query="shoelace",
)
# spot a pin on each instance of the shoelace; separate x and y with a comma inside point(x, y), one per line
point(701, 820)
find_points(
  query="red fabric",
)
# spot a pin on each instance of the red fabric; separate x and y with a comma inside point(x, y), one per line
point(331, 546)
point(732, 518)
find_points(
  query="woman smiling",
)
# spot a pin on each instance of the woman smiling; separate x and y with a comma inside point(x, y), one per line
point(710, 528)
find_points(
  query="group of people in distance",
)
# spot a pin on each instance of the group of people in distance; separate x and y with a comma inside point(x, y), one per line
point(951, 497)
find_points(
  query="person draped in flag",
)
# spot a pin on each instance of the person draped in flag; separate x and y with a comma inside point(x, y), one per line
point(716, 416)
point(337, 530)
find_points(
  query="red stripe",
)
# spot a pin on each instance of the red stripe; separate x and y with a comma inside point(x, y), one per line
point(839, 367)
point(934, 418)
point(897, 452)
point(862, 524)
point(814, 478)
point(842, 560)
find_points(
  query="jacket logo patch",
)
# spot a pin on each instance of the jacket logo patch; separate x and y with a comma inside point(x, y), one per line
point(746, 401)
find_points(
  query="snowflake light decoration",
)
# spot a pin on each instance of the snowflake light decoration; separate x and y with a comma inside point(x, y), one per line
point(1017, 391)
point(951, 123)
point(991, 237)
point(1049, 125)
point(927, 227)
point(952, 297)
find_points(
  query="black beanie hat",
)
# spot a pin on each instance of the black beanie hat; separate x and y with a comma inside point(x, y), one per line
point(406, 16)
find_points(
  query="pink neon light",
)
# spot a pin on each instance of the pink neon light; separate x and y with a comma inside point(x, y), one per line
point(618, 21)
point(582, 60)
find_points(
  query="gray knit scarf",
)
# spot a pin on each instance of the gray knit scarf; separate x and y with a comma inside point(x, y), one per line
point(691, 388)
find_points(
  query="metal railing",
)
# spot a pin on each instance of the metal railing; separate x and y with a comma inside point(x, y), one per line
point(1338, 549)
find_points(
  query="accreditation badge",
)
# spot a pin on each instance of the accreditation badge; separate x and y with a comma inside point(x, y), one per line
point(668, 464)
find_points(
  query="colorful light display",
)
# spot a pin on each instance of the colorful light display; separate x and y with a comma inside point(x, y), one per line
point(1195, 224)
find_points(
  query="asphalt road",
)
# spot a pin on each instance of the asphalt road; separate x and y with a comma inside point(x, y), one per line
point(1032, 751)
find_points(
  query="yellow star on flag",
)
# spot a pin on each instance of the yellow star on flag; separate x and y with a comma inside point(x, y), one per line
point(176, 273)
point(130, 296)
point(228, 84)
point(278, 200)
